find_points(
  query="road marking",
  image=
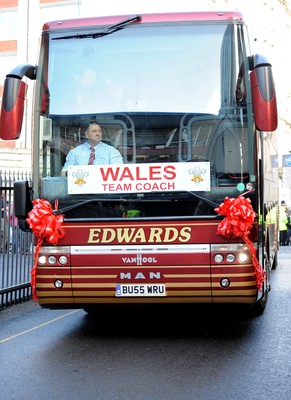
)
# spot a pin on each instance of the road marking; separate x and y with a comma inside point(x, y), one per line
point(38, 326)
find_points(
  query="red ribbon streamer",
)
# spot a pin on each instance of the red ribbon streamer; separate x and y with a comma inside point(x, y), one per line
point(46, 226)
point(238, 222)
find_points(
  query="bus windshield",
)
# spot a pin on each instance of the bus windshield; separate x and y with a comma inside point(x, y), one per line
point(138, 70)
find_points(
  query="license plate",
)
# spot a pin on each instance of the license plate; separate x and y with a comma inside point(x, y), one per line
point(140, 290)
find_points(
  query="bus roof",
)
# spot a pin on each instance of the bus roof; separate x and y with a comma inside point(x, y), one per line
point(146, 18)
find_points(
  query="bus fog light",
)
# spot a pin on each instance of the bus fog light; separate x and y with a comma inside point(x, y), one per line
point(52, 260)
point(58, 284)
point(218, 258)
point(224, 282)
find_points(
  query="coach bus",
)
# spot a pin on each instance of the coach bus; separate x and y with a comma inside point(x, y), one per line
point(190, 213)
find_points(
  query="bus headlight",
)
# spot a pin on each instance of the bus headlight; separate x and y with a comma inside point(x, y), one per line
point(52, 256)
point(218, 258)
point(63, 260)
point(230, 258)
point(42, 260)
point(52, 260)
point(234, 253)
point(243, 257)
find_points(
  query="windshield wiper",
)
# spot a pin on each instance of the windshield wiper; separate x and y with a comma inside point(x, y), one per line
point(126, 200)
point(83, 203)
point(104, 32)
point(204, 199)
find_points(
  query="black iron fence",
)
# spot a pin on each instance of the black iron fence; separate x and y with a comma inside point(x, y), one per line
point(16, 251)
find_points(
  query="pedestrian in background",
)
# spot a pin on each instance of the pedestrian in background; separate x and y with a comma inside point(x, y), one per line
point(288, 212)
point(3, 207)
point(283, 220)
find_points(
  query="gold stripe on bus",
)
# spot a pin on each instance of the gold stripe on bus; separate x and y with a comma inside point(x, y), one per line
point(66, 278)
point(84, 285)
point(173, 285)
point(221, 266)
point(234, 274)
point(53, 267)
point(187, 284)
point(166, 276)
point(222, 293)
point(54, 293)
point(170, 293)
point(75, 276)
point(115, 299)
point(50, 285)
point(93, 294)
point(128, 300)
point(138, 225)
point(170, 276)
point(240, 300)
point(96, 276)
point(236, 284)
point(121, 267)
point(110, 285)
point(44, 276)
point(133, 300)
point(93, 286)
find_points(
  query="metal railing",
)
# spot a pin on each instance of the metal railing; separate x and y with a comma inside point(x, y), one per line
point(16, 250)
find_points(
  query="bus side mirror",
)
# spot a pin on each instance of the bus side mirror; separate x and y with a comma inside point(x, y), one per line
point(14, 94)
point(22, 203)
point(12, 108)
point(264, 96)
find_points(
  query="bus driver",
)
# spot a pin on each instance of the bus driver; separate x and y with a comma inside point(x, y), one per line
point(93, 151)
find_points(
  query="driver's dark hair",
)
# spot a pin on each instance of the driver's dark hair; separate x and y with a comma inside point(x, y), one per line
point(93, 122)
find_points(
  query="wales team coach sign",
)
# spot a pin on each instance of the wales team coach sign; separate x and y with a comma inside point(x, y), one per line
point(139, 178)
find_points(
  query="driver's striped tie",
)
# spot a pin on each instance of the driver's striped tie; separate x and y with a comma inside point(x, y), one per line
point(92, 156)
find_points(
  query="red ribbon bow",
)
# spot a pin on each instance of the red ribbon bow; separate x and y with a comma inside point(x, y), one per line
point(46, 226)
point(238, 223)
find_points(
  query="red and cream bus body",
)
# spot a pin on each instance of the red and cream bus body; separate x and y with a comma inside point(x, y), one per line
point(190, 214)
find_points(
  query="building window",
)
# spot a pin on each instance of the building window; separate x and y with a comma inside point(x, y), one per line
point(7, 62)
point(8, 23)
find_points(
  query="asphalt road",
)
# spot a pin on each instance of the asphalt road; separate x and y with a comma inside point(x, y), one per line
point(192, 353)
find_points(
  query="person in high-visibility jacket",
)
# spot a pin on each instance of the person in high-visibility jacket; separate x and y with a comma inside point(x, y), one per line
point(283, 221)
